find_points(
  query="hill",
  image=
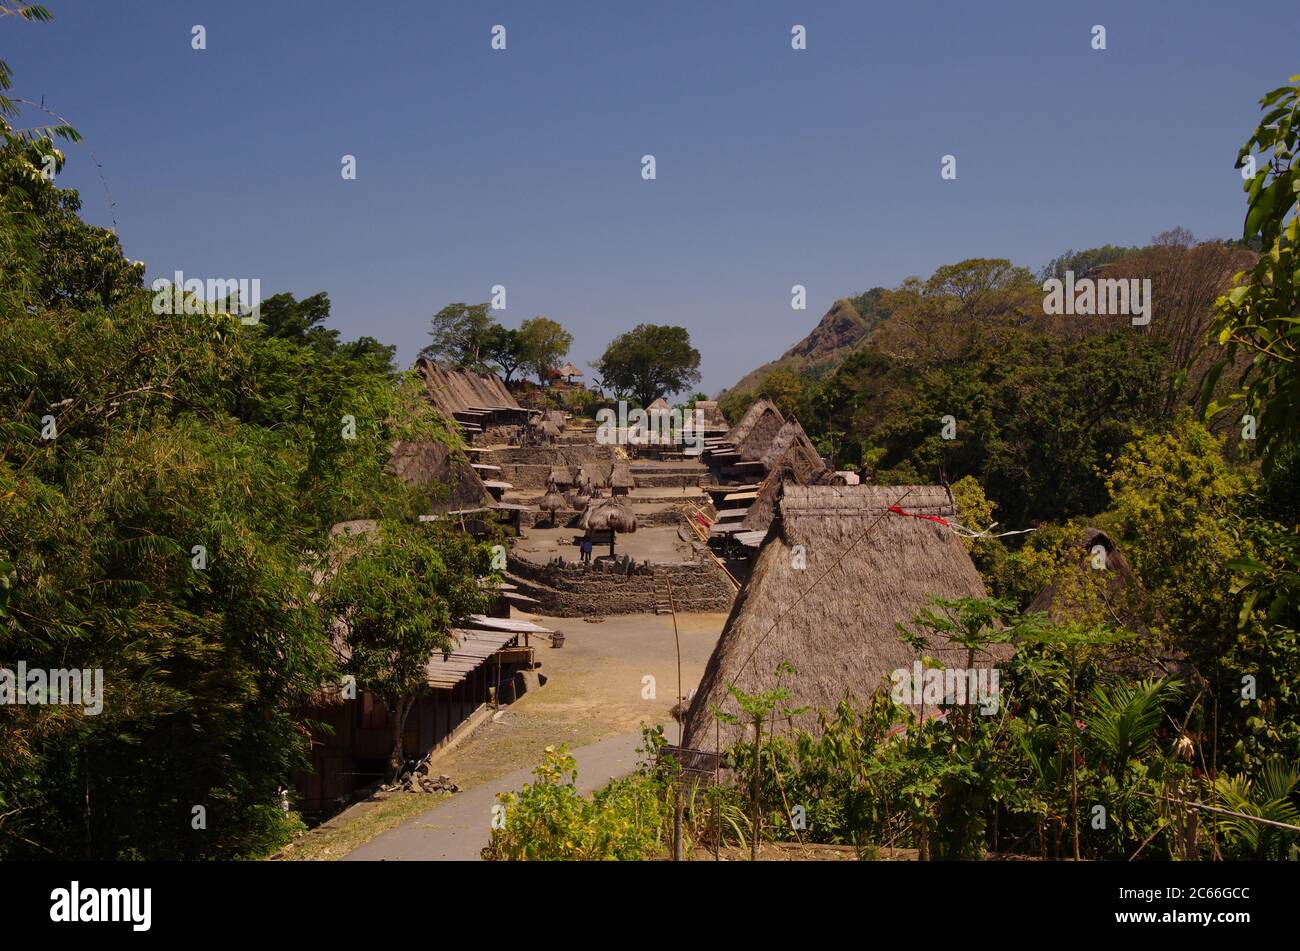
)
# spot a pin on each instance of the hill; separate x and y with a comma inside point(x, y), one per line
point(849, 321)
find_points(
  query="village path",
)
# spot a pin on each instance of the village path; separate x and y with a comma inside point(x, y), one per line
point(458, 828)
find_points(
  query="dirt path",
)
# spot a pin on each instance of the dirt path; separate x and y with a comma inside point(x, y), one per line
point(458, 828)
point(608, 679)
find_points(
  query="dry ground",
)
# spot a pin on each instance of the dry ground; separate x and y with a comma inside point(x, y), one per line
point(594, 691)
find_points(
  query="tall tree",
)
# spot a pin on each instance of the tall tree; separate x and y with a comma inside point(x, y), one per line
point(650, 361)
point(459, 335)
point(545, 343)
point(505, 350)
point(399, 591)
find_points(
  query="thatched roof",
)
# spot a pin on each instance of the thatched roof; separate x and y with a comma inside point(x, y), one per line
point(794, 468)
point(763, 430)
point(561, 476)
point(1117, 579)
point(792, 443)
point(593, 475)
point(834, 619)
point(714, 421)
point(611, 513)
point(557, 417)
point(756, 411)
point(458, 391)
point(553, 501)
point(660, 405)
point(569, 370)
point(429, 463)
point(620, 476)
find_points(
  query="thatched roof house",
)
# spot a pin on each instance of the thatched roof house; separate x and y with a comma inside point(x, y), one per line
point(475, 400)
point(713, 422)
point(833, 619)
point(762, 413)
point(560, 476)
point(429, 464)
point(792, 445)
point(592, 475)
point(1108, 580)
point(794, 467)
point(1105, 589)
point(620, 478)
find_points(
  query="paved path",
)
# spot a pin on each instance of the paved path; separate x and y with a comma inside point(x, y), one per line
point(457, 828)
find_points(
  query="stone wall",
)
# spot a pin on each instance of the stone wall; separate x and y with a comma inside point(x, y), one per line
point(620, 587)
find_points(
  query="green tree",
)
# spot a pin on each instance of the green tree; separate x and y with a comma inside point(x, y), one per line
point(505, 350)
point(544, 343)
point(649, 361)
point(399, 592)
point(1258, 316)
point(460, 335)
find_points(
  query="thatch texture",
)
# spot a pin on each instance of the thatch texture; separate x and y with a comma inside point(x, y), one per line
point(660, 405)
point(553, 502)
point(426, 464)
point(620, 477)
point(761, 435)
point(561, 476)
point(459, 391)
point(792, 446)
point(610, 514)
point(592, 476)
point(713, 420)
point(759, 408)
point(795, 467)
point(834, 619)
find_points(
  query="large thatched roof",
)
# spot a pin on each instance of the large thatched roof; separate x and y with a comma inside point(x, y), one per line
point(834, 619)
point(458, 391)
point(757, 410)
point(765, 427)
point(793, 467)
point(792, 443)
point(430, 463)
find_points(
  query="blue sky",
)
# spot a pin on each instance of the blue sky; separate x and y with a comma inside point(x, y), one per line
point(522, 168)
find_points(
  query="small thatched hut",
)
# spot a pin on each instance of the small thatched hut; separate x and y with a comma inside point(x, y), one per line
point(1105, 589)
point(620, 479)
point(561, 477)
point(611, 515)
point(825, 597)
point(592, 476)
point(553, 501)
